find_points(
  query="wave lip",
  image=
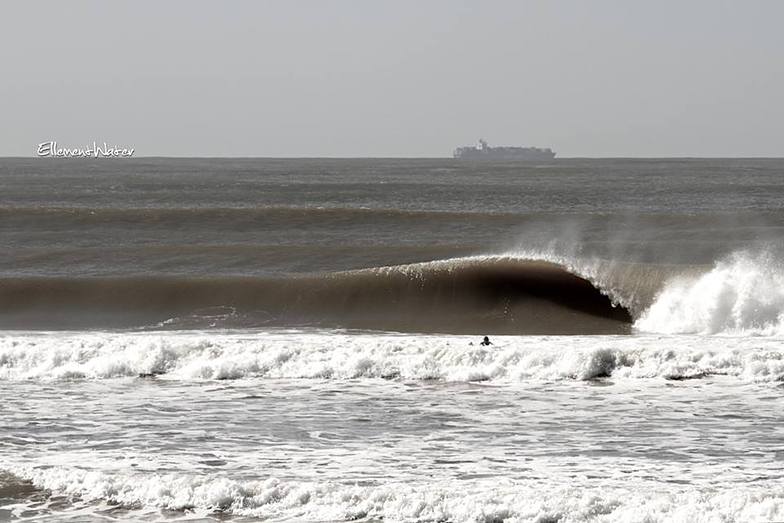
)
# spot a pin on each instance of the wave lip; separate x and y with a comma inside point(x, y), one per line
point(201, 356)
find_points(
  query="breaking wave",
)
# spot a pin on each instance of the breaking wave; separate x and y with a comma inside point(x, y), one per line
point(742, 294)
point(492, 294)
point(517, 293)
point(321, 355)
point(487, 500)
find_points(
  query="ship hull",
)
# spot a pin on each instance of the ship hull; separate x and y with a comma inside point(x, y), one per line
point(537, 157)
point(485, 152)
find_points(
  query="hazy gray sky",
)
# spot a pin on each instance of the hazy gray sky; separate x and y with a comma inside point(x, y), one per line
point(394, 78)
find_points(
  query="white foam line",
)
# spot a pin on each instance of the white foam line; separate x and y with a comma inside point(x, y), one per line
point(207, 356)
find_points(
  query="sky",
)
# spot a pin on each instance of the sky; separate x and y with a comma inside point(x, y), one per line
point(398, 78)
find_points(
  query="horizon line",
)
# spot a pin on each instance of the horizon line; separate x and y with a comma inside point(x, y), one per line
point(221, 157)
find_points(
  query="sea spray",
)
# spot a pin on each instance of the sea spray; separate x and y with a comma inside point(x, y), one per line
point(741, 294)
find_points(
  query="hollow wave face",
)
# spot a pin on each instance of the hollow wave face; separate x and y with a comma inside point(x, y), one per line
point(494, 295)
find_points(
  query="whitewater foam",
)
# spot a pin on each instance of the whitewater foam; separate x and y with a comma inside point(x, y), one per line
point(331, 355)
point(742, 294)
point(489, 500)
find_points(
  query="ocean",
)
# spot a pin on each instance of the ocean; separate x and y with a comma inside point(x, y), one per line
point(299, 340)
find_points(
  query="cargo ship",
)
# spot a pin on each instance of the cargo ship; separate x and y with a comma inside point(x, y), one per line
point(482, 151)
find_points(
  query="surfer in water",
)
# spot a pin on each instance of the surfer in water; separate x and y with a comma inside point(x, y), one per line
point(485, 341)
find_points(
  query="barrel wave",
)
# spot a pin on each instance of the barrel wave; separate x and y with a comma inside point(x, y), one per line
point(491, 294)
point(519, 293)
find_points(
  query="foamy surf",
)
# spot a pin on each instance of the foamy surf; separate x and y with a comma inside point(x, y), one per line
point(330, 355)
point(485, 500)
point(742, 295)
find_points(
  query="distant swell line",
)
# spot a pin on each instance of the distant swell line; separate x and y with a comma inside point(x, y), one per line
point(206, 213)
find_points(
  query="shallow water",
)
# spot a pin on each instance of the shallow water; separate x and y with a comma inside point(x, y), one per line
point(675, 429)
